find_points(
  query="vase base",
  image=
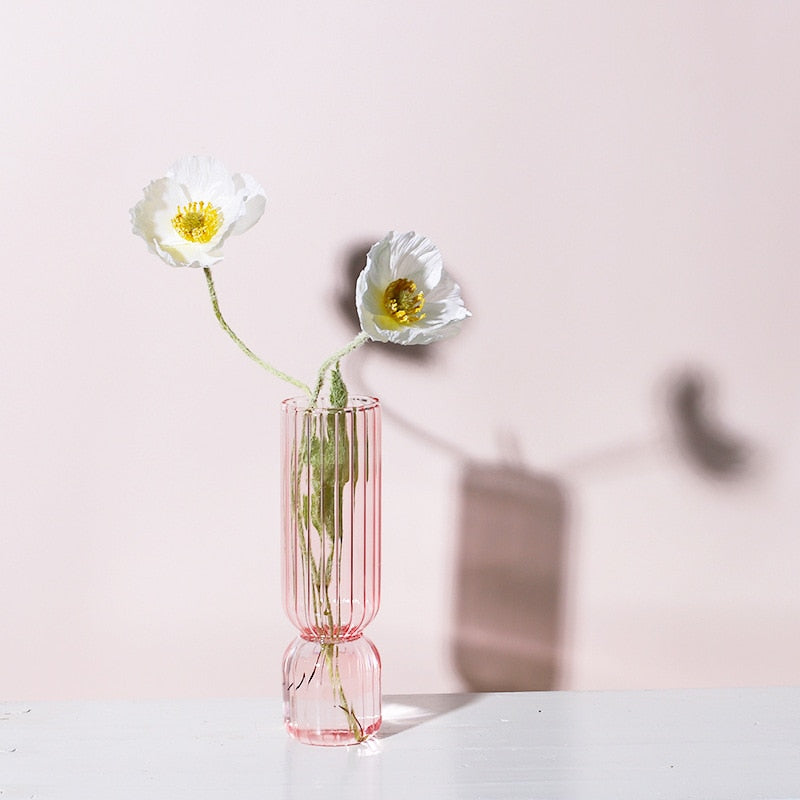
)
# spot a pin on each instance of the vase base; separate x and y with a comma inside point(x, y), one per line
point(332, 738)
point(332, 691)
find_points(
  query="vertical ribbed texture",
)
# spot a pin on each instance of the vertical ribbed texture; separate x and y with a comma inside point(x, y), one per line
point(332, 692)
point(331, 514)
point(331, 517)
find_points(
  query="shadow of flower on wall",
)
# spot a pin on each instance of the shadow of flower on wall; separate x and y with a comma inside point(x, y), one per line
point(706, 443)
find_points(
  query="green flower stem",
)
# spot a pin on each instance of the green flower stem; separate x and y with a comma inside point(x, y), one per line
point(242, 346)
point(362, 338)
point(332, 658)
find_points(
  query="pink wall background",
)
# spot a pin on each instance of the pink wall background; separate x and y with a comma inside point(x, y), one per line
point(615, 185)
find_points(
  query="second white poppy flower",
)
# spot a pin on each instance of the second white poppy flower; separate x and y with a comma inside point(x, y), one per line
point(404, 295)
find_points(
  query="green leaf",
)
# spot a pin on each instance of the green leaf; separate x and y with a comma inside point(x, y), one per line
point(339, 395)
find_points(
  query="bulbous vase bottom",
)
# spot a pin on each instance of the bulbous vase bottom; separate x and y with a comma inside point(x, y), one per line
point(332, 691)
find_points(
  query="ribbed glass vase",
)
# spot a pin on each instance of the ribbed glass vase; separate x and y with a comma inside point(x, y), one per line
point(331, 495)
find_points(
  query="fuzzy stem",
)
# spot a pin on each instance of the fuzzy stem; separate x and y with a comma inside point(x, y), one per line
point(362, 338)
point(242, 346)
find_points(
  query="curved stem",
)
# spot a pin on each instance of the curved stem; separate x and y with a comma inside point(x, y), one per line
point(242, 346)
point(362, 338)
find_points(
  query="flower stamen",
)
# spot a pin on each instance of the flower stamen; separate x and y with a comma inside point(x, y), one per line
point(198, 221)
point(402, 301)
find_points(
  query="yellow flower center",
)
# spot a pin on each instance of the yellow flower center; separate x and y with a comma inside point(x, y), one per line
point(402, 301)
point(197, 221)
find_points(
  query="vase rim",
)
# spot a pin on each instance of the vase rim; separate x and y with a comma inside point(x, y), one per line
point(354, 403)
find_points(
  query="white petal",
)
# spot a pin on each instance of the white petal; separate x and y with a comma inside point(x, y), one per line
point(151, 216)
point(416, 258)
point(188, 255)
point(378, 270)
point(369, 304)
point(447, 288)
point(204, 178)
point(144, 212)
point(254, 203)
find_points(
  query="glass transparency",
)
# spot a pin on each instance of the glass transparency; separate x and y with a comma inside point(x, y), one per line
point(331, 517)
point(331, 514)
point(332, 690)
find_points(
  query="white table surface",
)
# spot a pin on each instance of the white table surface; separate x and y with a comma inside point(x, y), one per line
point(716, 743)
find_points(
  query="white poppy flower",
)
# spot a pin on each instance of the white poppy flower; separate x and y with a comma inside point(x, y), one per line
point(404, 296)
point(186, 216)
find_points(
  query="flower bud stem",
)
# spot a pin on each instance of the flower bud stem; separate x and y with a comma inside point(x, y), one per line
point(362, 338)
point(242, 346)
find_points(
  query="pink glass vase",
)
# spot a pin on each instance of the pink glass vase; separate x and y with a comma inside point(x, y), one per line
point(331, 514)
